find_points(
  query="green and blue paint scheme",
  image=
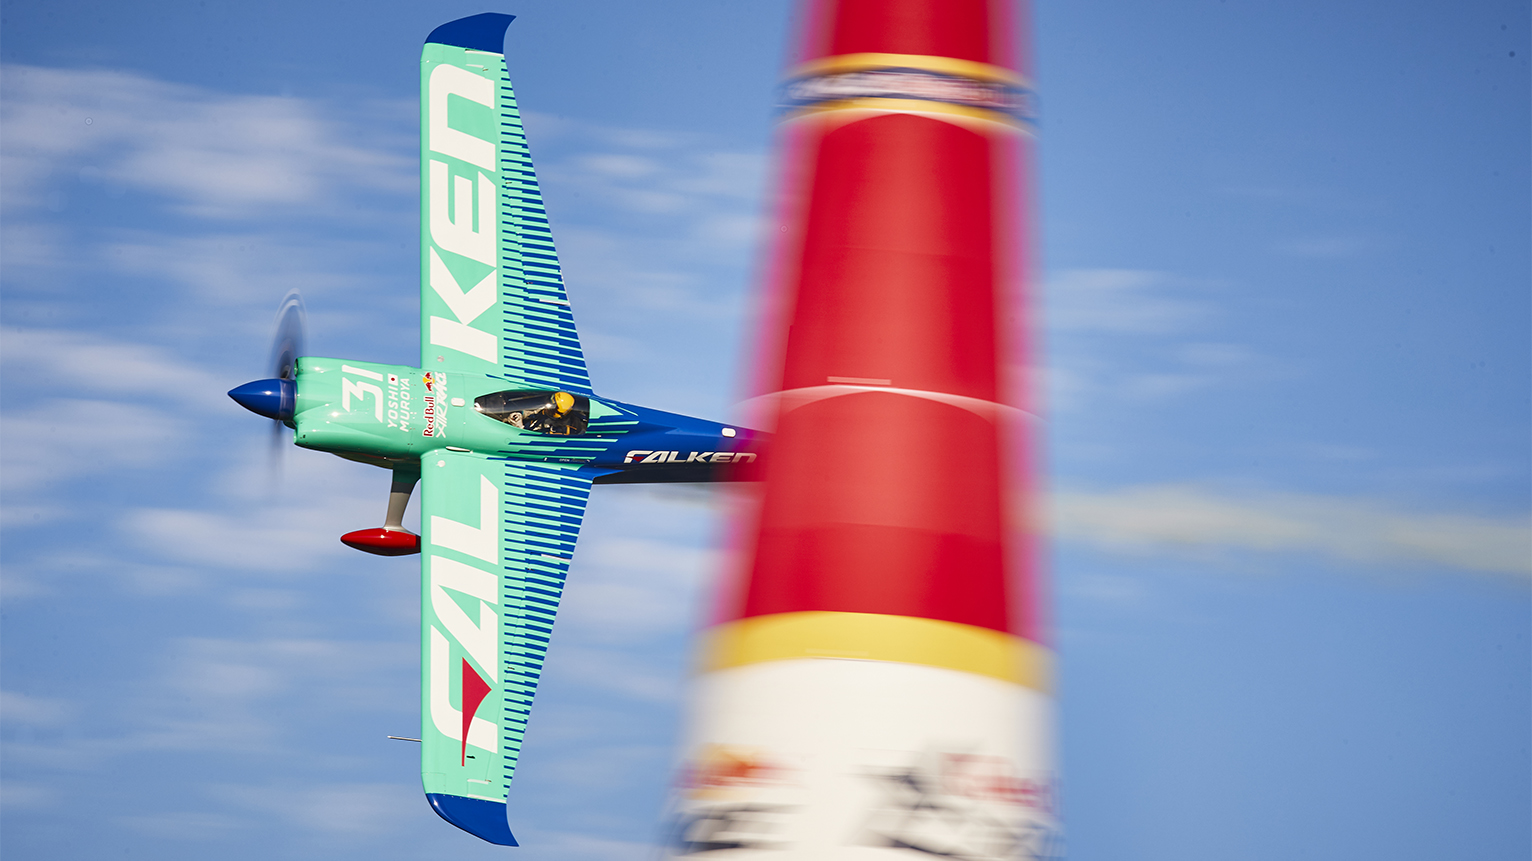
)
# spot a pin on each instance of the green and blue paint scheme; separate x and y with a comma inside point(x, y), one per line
point(502, 491)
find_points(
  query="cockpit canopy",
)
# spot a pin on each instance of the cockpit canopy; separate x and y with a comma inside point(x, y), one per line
point(538, 410)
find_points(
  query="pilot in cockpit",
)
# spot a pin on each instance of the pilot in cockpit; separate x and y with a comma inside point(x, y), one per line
point(558, 418)
point(552, 413)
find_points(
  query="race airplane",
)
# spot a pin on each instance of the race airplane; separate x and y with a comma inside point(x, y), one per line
point(499, 426)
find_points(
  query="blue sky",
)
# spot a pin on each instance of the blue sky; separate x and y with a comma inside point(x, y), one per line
point(1285, 313)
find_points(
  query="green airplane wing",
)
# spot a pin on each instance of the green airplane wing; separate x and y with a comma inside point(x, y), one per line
point(498, 536)
point(492, 297)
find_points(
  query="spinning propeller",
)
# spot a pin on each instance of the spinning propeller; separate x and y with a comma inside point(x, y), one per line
point(287, 344)
point(276, 397)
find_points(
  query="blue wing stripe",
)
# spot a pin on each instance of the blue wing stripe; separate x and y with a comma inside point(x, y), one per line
point(543, 508)
point(540, 347)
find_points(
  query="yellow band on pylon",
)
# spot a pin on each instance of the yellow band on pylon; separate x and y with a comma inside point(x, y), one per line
point(878, 637)
point(864, 62)
point(911, 106)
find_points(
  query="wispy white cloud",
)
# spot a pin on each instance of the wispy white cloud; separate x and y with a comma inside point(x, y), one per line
point(29, 512)
point(187, 826)
point(229, 698)
point(231, 269)
point(599, 767)
point(221, 540)
point(356, 810)
point(627, 587)
point(1131, 337)
point(1212, 354)
point(646, 221)
point(1167, 518)
point(209, 154)
point(282, 193)
point(69, 438)
point(1132, 301)
point(215, 694)
point(31, 244)
point(303, 510)
point(25, 794)
point(26, 710)
point(135, 407)
point(581, 847)
point(89, 364)
point(624, 671)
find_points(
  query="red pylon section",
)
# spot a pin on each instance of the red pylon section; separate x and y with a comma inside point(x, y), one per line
point(877, 656)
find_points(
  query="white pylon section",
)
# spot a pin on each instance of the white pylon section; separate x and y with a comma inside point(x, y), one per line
point(856, 760)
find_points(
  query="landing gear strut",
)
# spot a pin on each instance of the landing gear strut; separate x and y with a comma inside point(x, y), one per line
point(393, 539)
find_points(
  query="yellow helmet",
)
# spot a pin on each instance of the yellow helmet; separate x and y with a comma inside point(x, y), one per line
point(563, 402)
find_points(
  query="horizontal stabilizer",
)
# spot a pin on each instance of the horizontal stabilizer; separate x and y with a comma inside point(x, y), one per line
point(479, 817)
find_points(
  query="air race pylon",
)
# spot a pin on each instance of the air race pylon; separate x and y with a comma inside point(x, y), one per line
point(875, 680)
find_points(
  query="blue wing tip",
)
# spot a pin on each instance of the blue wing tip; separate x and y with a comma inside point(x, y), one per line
point(482, 32)
point(483, 819)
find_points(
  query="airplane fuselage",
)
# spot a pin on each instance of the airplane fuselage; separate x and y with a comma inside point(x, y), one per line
point(392, 414)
